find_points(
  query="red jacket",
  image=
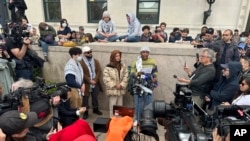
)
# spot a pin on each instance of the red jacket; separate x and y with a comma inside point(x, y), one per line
point(73, 131)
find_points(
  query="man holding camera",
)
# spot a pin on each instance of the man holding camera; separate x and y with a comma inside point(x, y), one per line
point(144, 70)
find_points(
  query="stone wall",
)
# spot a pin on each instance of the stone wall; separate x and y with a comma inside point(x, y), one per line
point(170, 60)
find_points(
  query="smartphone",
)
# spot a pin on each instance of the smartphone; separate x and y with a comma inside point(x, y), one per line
point(197, 56)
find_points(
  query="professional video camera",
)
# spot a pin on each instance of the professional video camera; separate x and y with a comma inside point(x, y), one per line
point(35, 93)
point(16, 32)
point(178, 116)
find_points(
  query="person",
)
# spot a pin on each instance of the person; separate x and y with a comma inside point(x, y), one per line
point(47, 38)
point(34, 37)
point(243, 96)
point(227, 86)
point(74, 131)
point(74, 77)
point(146, 35)
point(217, 137)
point(115, 78)
point(68, 115)
point(12, 130)
point(17, 9)
point(92, 73)
point(236, 36)
point(146, 68)
point(81, 31)
point(134, 28)
point(163, 26)
point(245, 62)
point(18, 49)
point(201, 80)
point(63, 32)
point(158, 35)
point(106, 29)
point(2, 135)
point(203, 31)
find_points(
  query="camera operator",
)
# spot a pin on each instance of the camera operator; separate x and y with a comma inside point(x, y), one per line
point(138, 70)
point(17, 47)
point(67, 114)
point(201, 80)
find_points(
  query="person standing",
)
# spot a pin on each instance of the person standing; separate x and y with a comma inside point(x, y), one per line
point(74, 77)
point(144, 69)
point(92, 72)
point(115, 77)
point(17, 9)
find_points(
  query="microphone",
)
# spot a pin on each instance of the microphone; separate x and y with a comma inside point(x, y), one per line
point(175, 76)
point(56, 85)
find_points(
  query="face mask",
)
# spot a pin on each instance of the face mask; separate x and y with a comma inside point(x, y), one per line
point(79, 58)
point(46, 28)
point(242, 39)
point(64, 25)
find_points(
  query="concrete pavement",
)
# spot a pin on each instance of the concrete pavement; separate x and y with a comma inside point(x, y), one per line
point(102, 136)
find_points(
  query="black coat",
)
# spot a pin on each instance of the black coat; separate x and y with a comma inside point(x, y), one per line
point(67, 114)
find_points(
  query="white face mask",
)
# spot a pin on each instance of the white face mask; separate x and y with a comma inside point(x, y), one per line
point(242, 39)
point(64, 24)
point(79, 58)
point(46, 28)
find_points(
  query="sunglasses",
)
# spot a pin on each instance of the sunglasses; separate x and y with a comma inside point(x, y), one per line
point(88, 52)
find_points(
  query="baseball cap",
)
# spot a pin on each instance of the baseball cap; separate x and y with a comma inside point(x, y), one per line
point(145, 48)
point(210, 31)
point(86, 49)
point(13, 122)
point(224, 66)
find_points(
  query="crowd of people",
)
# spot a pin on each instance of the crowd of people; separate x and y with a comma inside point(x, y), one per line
point(221, 75)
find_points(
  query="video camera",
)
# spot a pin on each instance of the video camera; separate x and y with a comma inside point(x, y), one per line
point(16, 32)
point(35, 93)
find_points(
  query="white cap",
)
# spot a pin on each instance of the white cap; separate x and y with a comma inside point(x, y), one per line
point(86, 49)
point(145, 48)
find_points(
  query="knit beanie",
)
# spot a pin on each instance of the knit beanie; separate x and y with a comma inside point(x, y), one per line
point(106, 14)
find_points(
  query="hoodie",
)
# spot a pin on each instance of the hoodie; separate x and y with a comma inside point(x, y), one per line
point(134, 26)
point(225, 89)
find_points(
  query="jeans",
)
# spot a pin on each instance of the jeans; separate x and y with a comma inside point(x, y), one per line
point(140, 102)
point(130, 38)
point(110, 39)
point(45, 46)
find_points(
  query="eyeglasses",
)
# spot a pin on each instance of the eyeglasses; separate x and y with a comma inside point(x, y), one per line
point(88, 52)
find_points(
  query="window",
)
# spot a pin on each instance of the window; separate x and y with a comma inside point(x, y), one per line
point(148, 11)
point(95, 10)
point(52, 10)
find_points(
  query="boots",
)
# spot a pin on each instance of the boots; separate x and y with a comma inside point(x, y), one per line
point(96, 111)
point(86, 114)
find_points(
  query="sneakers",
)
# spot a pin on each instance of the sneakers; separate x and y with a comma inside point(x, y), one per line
point(96, 111)
point(135, 123)
point(46, 59)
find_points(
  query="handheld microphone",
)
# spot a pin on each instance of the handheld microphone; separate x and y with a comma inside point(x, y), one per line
point(175, 76)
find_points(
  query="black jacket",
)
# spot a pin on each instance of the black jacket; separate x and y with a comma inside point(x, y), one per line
point(202, 80)
point(67, 115)
point(225, 89)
